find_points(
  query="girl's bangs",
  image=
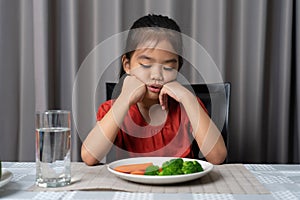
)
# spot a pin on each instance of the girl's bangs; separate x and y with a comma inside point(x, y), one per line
point(149, 37)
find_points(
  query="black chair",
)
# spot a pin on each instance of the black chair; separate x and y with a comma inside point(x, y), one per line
point(112, 90)
point(215, 97)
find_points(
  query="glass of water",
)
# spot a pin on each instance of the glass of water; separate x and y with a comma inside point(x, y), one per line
point(53, 148)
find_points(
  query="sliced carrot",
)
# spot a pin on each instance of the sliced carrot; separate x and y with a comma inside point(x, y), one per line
point(138, 172)
point(132, 167)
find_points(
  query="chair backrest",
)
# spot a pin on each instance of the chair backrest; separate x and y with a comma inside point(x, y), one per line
point(215, 97)
point(111, 91)
point(214, 93)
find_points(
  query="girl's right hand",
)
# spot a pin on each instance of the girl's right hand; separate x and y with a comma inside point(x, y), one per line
point(133, 90)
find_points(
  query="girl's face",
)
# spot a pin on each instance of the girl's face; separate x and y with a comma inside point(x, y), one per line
point(154, 66)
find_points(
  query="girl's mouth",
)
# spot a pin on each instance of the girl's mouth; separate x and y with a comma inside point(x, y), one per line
point(154, 88)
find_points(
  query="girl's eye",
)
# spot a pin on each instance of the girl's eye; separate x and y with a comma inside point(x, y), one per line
point(145, 66)
point(168, 68)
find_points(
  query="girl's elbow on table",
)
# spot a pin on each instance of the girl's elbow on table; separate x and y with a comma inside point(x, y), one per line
point(87, 158)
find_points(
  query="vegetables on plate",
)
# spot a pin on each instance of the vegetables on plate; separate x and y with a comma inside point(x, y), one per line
point(174, 166)
point(133, 168)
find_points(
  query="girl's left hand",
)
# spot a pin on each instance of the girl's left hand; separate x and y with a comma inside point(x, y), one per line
point(173, 89)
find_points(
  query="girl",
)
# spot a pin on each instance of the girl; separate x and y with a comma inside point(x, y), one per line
point(153, 115)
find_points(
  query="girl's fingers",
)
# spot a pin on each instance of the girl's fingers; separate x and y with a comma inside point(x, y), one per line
point(133, 89)
point(166, 106)
point(161, 99)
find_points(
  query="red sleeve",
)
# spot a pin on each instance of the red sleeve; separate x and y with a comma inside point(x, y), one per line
point(103, 109)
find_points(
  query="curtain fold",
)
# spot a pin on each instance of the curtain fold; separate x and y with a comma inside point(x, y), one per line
point(254, 43)
point(244, 61)
point(9, 79)
point(279, 41)
point(295, 106)
point(26, 134)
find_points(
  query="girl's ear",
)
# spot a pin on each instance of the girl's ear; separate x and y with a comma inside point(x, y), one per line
point(126, 65)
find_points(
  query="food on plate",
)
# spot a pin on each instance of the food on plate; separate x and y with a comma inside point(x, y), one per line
point(141, 167)
point(138, 172)
point(177, 166)
point(189, 167)
point(174, 166)
point(152, 170)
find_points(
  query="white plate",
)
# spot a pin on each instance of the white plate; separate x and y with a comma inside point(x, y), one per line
point(207, 167)
point(5, 178)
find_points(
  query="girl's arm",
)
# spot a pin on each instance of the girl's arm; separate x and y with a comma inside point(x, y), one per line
point(205, 132)
point(100, 139)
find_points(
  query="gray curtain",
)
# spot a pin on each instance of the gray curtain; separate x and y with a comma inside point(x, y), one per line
point(254, 43)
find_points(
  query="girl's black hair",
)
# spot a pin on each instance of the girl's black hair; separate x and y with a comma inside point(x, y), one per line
point(156, 21)
point(154, 27)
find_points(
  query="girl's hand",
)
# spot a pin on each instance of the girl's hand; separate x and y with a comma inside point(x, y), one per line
point(173, 89)
point(133, 89)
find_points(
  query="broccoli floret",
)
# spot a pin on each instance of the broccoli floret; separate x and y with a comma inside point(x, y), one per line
point(170, 171)
point(152, 170)
point(191, 167)
point(172, 167)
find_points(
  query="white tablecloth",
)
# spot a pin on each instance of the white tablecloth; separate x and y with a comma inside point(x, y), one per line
point(283, 182)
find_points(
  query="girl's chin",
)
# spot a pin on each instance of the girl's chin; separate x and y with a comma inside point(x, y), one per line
point(152, 95)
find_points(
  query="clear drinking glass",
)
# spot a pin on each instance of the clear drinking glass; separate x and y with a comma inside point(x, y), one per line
point(53, 148)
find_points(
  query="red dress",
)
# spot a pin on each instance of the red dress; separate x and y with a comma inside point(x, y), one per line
point(137, 138)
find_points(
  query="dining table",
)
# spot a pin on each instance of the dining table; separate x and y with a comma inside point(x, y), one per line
point(228, 181)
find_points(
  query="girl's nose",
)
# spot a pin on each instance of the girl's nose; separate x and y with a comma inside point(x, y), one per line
point(156, 72)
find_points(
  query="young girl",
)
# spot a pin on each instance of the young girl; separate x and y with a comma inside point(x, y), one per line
point(154, 115)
